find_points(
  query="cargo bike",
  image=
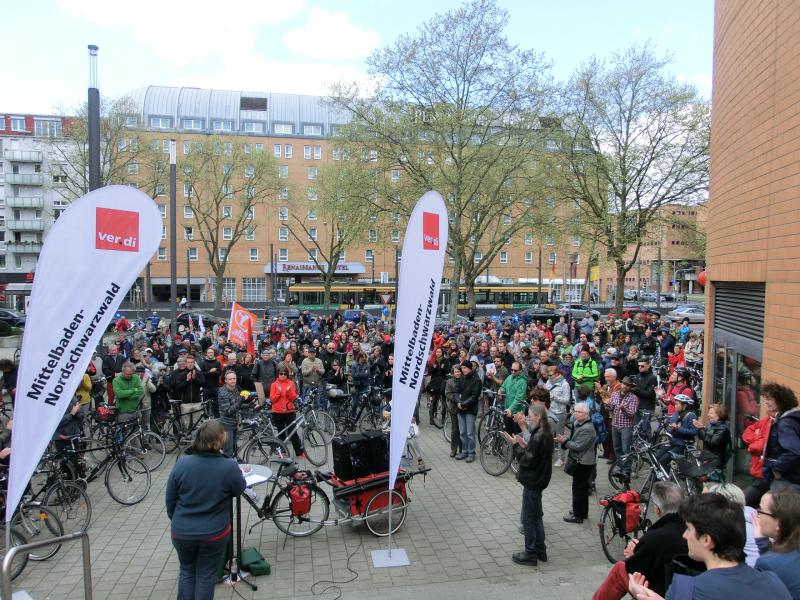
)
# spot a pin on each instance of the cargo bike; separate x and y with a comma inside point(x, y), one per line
point(300, 507)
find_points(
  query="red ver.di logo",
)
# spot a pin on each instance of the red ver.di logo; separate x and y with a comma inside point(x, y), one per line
point(430, 231)
point(116, 230)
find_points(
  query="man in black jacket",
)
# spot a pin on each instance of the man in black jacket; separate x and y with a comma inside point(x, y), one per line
point(646, 383)
point(112, 366)
point(264, 374)
point(468, 410)
point(187, 386)
point(651, 553)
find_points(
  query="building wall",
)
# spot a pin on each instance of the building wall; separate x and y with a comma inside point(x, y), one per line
point(754, 221)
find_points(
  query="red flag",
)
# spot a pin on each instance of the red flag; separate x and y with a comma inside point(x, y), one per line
point(251, 347)
point(553, 269)
point(241, 326)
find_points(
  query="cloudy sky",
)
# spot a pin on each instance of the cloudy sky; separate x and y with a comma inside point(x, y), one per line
point(301, 46)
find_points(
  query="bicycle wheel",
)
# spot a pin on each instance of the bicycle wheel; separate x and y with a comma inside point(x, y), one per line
point(638, 471)
point(127, 480)
point(438, 415)
point(148, 447)
point(38, 524)
point(612, 540)
point(486, 424)
point(17, 539)
point(300, 525)
point(324, 423)
point(171, 434)
point(370, 420)
point(72, 505)
point(496, 454)
point(446, 426)
point(378, 512)
point(316, 447)
point(92, 455)
point(262, 451)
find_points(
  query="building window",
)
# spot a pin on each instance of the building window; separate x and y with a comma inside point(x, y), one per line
point(227, 233)
point(576, 241)
point(317, 152)
point(47, 128)
point(250, 234)
point(222, 125)
point(133, 168)
point(188, 192)
point(253, 254)
point(18, 124)
point(553, 258)
point(283, 234)
point(307, 152)
point(276, 150)
point(160, 122)
point(395, 216)
point(161, 189)
point(193, 254)
point(254, 289)
point(248, 148)
point(131, 121)
point(395, 236)
point(369, 256)
point(312, 254)
point(503, 257)
point(283, 254)
point(287, 150)
point(2, 258)
point(193, 124)
point(312, 129)
point(227, 212)
point(548, 240)
point(477, 256)
point(187, 147)
point(283, 171)
point(188, 212)
point(312, 234)
point(283, 213)
point(372, 236)
point(529, 239)
point(163, 232)
point(312, 214)
point(223, 254)
point(283, 193)
point(162, 254)
point(312, 173)
point(507, 219)
point(283, 128)
point(550, 201)
point(312, 193)
point(395, 175)
point(162, 208)
point(188, 232)
point(336, 153)
point(249, 171)
point(253, 127)
point(529, 257)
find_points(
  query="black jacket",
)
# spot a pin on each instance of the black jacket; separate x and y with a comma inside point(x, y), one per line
point(112, 365)
point(188, 392)
point(211, 379)
point(716, 439)
point(470, 393)
point(656, 548)
point(646, 390)
point(536, 461)
point(266, 372)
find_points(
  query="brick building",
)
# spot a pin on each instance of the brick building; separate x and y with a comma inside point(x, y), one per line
point(753, 296)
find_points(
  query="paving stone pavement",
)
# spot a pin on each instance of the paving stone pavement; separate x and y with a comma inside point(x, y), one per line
point(460, 533)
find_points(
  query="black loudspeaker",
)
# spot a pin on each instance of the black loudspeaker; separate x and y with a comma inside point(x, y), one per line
point(351, 456)
point(378, 450)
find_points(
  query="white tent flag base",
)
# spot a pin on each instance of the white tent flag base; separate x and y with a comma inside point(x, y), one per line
point(390, 558)
point(424, 248)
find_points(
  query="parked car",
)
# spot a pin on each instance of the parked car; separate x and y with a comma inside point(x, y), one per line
point(354, 315)
point(12, 317)
point(531, 315)
point(631, 309)
point(209, 320)
point(630, 295)
point(695, 314)
point(668, 297)
point(575, 311)
point(647, 296)
point(280, 311)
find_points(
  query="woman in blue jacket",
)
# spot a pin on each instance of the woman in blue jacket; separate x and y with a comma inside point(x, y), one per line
point(199, 493)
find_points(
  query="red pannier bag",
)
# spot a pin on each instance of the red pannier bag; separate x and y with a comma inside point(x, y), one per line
point(626, 510)
point(300, 499)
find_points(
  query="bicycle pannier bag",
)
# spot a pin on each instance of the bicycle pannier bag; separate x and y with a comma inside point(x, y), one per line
point(300, 499)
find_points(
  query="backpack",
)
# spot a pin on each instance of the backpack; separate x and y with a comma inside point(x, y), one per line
point(600, 431)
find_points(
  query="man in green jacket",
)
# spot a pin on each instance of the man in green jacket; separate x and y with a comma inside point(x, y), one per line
point(585, 371)
point(128, 391)
point(513, 392)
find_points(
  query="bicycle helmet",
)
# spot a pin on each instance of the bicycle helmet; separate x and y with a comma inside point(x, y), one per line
point(682, 373)
point(684, 399)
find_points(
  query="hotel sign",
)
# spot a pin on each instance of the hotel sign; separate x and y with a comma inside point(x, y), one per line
point(309, 268)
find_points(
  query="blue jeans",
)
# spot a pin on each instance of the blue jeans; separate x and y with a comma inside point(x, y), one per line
point(199, 561)
point(532, 523)
point(621, 437)
point(466, 428)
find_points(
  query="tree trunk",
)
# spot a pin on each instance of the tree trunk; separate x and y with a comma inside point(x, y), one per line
point(454, 289)
point(326, 298)
point(470, 289)
point(217, 291)
point(621, 272)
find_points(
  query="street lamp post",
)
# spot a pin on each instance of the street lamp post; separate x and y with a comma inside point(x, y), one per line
point(188, 280)
point(173, 244)
point(93, 121)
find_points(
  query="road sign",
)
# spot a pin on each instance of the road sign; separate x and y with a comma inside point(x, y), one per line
point(385, 311)
point(386, 298)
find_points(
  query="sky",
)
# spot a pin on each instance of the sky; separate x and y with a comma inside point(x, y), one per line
point(302, 46)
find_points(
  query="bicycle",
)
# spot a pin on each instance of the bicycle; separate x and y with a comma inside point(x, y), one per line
point(126, 478)
point(173, 432)
point(368, 415)
point(61, 494)
point(496, 452)
point(490, 420)
point(314, 442)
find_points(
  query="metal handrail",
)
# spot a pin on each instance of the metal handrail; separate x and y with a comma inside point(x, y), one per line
point(70, 537)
